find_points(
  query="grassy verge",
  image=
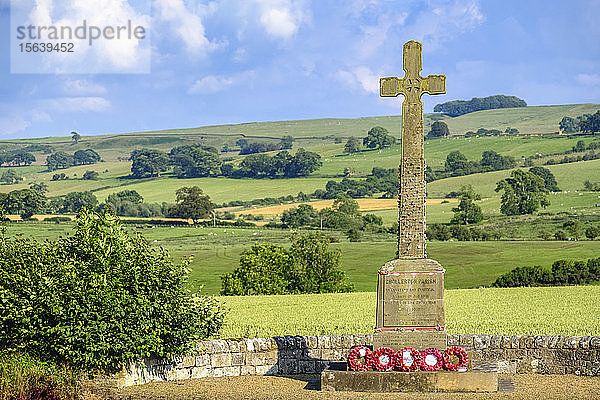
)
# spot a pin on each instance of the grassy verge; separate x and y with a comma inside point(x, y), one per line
point(529, 311)
point(25, 377)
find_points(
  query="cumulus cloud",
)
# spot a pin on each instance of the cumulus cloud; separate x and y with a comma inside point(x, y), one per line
point(123, 54)
point(218, 83)
point(360, 78)
point(77, 104)
point(187, 24)
point(83, 87)
point(445, 20)
point(589, 79)
point(281, 19)
point(374, 36)
point(12, 125)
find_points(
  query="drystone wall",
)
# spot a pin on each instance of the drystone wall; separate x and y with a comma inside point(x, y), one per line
point(291, 355)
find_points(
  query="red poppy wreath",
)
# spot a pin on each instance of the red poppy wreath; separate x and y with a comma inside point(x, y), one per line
point(432, 360)
point(408, 359)
point(383, 359)
point(358, 358)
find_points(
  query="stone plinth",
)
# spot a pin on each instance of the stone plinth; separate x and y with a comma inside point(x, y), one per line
point(410, 305)
point(336, 379)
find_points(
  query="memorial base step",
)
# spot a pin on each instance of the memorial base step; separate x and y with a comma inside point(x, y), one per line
point(336, 378)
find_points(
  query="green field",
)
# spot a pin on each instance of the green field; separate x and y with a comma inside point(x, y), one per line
point(315, 135)
point(525, 311)
point(217, 251)
point(570, 177)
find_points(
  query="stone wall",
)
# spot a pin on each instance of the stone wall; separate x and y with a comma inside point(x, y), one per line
point(290, 355)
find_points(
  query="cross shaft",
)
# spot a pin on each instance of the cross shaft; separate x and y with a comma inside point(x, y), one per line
point(411, 197)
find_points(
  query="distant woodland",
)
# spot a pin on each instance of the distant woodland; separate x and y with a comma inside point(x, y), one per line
point(459, 107)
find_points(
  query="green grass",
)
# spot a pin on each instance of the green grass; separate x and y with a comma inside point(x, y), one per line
point(536, 119)
point(316, 135)
point(528, 311)
point(217, 251)
point(570, 177)
point(436, 151)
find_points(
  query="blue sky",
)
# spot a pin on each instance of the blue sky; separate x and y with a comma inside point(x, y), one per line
point(229, 61)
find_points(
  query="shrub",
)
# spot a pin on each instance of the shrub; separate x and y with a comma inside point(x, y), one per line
point(524, 276)
point(564, 272)
point(90, 175)
point(307, 267)
point(354, 234)
point(460, 232)
point(264, 269)
point(98, 298)
point(438, 232)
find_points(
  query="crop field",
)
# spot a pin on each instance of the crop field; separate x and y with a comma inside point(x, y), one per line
point(365, 205)
point(571, 310)
point(217, 250)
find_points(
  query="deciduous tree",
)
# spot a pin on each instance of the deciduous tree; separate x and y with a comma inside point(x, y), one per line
point(524, 193)
point(378, 138)
point(191, 202)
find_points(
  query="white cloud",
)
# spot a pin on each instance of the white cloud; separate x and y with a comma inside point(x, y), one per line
point(589, 79)
point(278, 23)
point(187, 24)
point(12, 125)
point(119, 54)
point(40, 116)
point(77, 104)
point(445, 20)
point(83, 87)
point(360, 78)
point(374, 36)
point(218, 83)
point(281, 19)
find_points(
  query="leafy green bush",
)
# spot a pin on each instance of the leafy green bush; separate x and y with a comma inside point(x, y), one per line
point(307, 267)
point(564, 272)
point(24, 377)
point(524, 276)
point(98, 298)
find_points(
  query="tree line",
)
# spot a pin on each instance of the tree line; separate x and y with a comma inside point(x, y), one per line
point(457, 164)
point(193, 161)
point(62, 159)
point(190, 203)
point(246, 147)
point(586, 123)
point(563, 272)
point(459, 107)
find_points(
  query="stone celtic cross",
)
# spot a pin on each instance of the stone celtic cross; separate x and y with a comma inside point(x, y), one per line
point(411, 199)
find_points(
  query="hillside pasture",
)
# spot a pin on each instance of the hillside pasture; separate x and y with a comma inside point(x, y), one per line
point(217, 250)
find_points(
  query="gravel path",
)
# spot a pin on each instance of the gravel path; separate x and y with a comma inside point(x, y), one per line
point(526, 387)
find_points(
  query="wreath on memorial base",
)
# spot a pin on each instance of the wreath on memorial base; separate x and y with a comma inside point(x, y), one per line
point(383, 359)
point(427, 356)
point(359, 358)
point(463, 358)
point(408, 359)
